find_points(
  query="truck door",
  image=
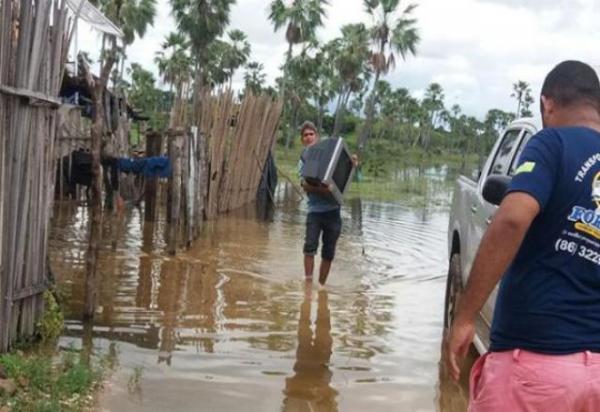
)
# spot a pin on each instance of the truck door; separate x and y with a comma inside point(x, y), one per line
point(482, 211)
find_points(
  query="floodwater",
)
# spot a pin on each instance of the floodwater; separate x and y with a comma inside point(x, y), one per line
point(229, 325)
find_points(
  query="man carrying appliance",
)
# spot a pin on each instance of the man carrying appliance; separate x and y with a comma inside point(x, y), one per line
point(323, 216)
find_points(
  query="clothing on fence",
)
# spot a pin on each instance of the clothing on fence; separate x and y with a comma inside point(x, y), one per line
point(158, 166)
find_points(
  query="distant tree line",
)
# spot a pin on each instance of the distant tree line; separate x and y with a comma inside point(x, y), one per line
point(339, 84)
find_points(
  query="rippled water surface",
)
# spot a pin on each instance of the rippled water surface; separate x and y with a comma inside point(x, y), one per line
point(230, 326)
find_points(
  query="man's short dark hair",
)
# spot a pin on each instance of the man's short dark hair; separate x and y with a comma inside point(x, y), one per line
point(572, 82)
point(308, 125)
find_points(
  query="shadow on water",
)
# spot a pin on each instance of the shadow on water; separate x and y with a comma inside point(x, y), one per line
point(229, 326)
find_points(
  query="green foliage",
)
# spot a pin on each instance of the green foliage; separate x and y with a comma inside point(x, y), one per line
point(202, 21)
point(132, 16)
point(174, 60)
point(375, 168)
point(34, 370)
point(225, 57)
point(52, 322)
point(76, 379)
point(255, 77)
point(302, 18)
point(522, 93)
point(394, 32)
point(53, 383)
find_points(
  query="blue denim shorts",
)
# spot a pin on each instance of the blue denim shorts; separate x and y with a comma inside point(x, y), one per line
point(329, 224)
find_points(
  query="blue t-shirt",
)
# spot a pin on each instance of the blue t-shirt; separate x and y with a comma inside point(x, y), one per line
point(317, 203)
point(549, 299)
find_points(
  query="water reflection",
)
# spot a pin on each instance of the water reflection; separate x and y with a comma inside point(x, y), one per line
point(310, 387)
point(225, 323)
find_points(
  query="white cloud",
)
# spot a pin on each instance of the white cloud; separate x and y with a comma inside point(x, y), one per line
point(476, 49)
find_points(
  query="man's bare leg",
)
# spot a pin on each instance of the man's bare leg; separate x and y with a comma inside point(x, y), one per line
point(309, 265)
point(324, 271)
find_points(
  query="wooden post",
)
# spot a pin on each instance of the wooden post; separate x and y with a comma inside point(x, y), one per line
point(189, 187)
point(201, 182)
point(153, 145)
point(175, 155)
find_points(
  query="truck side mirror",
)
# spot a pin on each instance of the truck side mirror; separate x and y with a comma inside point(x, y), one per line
point(495, 188)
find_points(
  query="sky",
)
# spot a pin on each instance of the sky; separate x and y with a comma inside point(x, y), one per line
point(475, 49)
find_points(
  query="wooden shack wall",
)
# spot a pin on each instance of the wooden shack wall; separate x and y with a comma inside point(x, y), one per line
point(34, 39)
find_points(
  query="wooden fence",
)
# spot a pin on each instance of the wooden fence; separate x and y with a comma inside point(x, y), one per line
point(239, 138)
point(33, 46)
point(217, 164)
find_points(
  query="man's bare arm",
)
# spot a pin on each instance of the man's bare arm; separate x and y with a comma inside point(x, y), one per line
point(496, 251)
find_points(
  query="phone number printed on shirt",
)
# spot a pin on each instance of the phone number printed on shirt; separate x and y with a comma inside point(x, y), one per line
point(589, 254)
point(573, 248)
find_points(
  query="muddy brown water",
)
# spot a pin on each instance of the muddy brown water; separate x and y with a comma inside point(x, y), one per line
point(230, 325)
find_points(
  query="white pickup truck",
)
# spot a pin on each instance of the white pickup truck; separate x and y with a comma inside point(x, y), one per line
point(471, 214)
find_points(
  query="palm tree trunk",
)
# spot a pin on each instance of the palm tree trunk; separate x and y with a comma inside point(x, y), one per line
point(320, 117)
point(346, 100)
point(293, 126)
point(285, 70)
point(338, 112)
point(370, 112)
point(176, 105)
point(198, 84)
point(287, 129)
point(122, 71)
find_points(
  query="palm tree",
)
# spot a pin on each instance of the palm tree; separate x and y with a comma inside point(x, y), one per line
point(399, 108)
point(302, 72)
point(323, 81)
point(175, 66)
point(349, 54)
point(133, 17)
point(202, 21)
point(254, 77)
point(522, 92)
point(215, 68)
point(433, 102)
point(237, 54)
point(302, 18)
point(173, 60)
point(389, 38)
point(432, 106)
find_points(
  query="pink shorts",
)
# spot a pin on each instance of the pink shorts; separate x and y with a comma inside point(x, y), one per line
point(525, 381)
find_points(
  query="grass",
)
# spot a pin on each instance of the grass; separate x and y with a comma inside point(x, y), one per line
point(48, 379)
point(53, 382)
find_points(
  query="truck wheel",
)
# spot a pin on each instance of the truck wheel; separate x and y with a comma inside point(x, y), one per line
point(454, 289)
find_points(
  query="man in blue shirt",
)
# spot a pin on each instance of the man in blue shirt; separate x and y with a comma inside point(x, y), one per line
point(544, 242)
point(323, 216)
